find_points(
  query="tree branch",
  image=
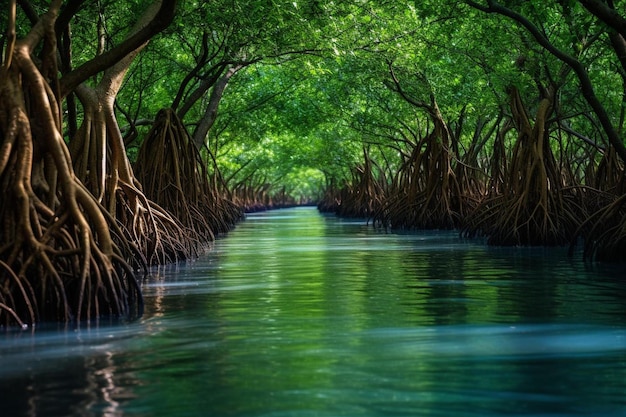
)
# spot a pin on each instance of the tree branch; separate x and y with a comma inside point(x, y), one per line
point(580, 71)
point(606, 14)
point(29, 11)
point(163, 18)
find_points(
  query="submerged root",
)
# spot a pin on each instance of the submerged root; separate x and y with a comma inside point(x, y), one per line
point(604, 233)
point(521, 222)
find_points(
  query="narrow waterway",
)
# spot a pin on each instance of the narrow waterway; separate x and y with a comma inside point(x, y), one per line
point(299, 314)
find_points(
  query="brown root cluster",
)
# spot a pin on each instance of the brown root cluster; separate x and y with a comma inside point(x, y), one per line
point(100, 161)
point(605, 233)
point(532, 205)
point(522, 196)
point(174, 176)
point(365, 194)
point(62, 256)
point(250, 199)
point(426, 193)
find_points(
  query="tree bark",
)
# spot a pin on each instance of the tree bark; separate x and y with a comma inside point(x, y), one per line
point(210, 114)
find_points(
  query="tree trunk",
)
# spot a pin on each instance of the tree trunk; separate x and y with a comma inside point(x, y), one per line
point(210, 114)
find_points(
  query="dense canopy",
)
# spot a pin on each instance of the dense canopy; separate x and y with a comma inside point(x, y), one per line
point(133, 132)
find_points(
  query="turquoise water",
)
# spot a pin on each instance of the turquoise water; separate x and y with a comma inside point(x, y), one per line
point(299, 314)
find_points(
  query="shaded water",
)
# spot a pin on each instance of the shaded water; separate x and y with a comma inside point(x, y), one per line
point(300, 314)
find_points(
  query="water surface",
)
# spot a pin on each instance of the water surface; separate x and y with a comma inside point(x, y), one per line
point(299, 314)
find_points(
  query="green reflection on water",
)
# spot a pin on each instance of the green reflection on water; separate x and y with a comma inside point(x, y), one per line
point(298, 314)
point(333, 317)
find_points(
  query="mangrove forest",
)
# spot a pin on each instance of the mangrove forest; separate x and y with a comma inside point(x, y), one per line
point(134, 133)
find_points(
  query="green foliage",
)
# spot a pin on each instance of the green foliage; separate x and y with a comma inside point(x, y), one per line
point(315, 83)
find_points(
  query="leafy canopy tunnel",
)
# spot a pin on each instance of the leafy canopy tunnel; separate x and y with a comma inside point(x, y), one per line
point(133, 132)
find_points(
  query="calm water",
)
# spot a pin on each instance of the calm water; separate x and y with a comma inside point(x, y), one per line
point(300, 314)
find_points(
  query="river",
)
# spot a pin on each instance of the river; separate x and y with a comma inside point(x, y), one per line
point(295, 313)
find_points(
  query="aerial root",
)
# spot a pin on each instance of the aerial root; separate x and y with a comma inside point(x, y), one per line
point(57, 257)
point(174, 176)
point(531, 206)
point(604, 233)
point(426, 193)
